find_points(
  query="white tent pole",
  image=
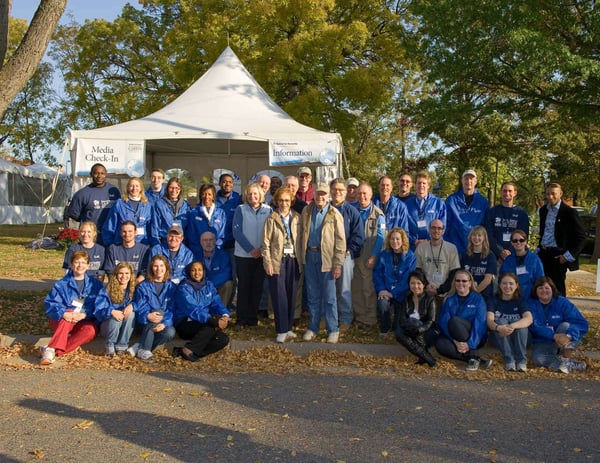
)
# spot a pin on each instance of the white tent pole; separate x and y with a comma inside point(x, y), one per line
point(54, 183)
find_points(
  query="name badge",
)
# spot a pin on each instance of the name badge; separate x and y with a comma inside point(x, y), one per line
point(288, 249)
point(506, 237)
point(521, 270)
point(77, 304)
point(437, 278)
point(422, 223)
point(140, 231)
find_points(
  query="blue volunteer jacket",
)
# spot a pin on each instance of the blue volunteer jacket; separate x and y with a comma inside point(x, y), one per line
point(546, 320)
point(394, 280)
point(105, 306)
point(462, 218)
point(182, 259)
point(122, 211)
point(530, 271)
point(473, 310)
point(396, 214)
point(198, 305)
point(433, 208)
point(145, 300)
point(198, 223)
point(354, 228)
point(163, 216)
point(65, 291)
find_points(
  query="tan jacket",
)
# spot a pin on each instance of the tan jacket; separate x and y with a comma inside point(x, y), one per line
point(333, 238)
point(274, 236)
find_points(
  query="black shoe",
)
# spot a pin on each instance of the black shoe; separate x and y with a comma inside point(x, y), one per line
point(177, 352)
point(484, 364)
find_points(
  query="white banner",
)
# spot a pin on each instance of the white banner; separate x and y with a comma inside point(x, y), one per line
point(282, 152)
point(118, 156)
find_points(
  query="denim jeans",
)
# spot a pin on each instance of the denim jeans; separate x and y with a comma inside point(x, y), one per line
point(385, 307)
point(545, 354)
point(344, 292)
point(149, 340)
point(512, 347)
point(118, 333)
point(320, 289)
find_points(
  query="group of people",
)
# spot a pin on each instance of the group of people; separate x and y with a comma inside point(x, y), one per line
point(349, 256)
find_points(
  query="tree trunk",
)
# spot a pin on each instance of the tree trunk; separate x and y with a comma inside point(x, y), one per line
point(4, 13)
point(596, 253)
point(22, 65)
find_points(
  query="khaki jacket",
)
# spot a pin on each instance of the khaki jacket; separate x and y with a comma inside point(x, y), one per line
point(274, 236)
point(333, 238)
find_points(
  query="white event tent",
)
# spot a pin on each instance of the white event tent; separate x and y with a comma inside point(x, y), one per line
point(224, 120)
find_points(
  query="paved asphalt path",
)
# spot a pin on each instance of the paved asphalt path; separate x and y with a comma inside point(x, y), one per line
point(118, 416)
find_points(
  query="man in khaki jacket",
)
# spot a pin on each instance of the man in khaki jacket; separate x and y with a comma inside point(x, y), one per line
point(323, 250)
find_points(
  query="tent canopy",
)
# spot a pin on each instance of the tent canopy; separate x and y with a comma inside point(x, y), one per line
point(224, 120)
point(30, 194)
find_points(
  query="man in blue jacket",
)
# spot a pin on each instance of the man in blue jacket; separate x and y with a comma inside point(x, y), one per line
point(355, 237)
point(465, 209)
point(217, 266)
point(178, 254)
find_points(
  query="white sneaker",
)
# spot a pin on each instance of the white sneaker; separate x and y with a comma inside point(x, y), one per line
point(144, 354)
point(333, 338)
point(281, 337)
point(291, 335)
point(133, 350)
point(309, 335)
point(48, 356)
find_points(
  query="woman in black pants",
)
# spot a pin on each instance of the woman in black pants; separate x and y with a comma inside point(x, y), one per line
point(462, 323)
point(200, 316)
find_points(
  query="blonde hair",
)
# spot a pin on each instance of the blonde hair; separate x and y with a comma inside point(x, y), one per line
point(143, 198)
point(471, 280)
point(485, 246)
point(113, 287)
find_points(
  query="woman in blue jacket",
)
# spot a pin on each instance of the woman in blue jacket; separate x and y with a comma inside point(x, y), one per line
point(70, 309)
point(522, 262)
point(462, 323)
point(133, 206)
point(169, 210)
point(116, 316)
point(200, 317)
point(557, 328)
point(206, 216)
point(153, 302)
point(390, 276)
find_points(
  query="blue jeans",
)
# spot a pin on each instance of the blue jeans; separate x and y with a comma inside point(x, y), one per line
point(545, 354)
point(512, 347)
point(385, 307)
point(343, 287)
point(320, 289)
point(117, 333)
point(149, 340)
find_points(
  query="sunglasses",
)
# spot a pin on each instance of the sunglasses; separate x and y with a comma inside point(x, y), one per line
point(518, 240)
point(461, 281)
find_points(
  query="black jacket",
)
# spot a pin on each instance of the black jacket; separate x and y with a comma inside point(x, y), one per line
point(568, 231)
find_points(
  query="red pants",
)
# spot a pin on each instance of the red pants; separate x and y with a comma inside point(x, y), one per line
point(69, 336)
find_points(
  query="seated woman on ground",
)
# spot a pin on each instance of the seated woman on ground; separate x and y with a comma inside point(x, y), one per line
point(200, 317)
point(508, 319)
point(462, 323)
point(557, 330)
point(88, 233)
point(415, 319)
point(115, 312)
point(153, 303)
point(70, 309)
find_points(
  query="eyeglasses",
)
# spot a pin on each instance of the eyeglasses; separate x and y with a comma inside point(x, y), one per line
point(518, 240)
point(461, 281)
point(436, 228)
point(405, 181)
